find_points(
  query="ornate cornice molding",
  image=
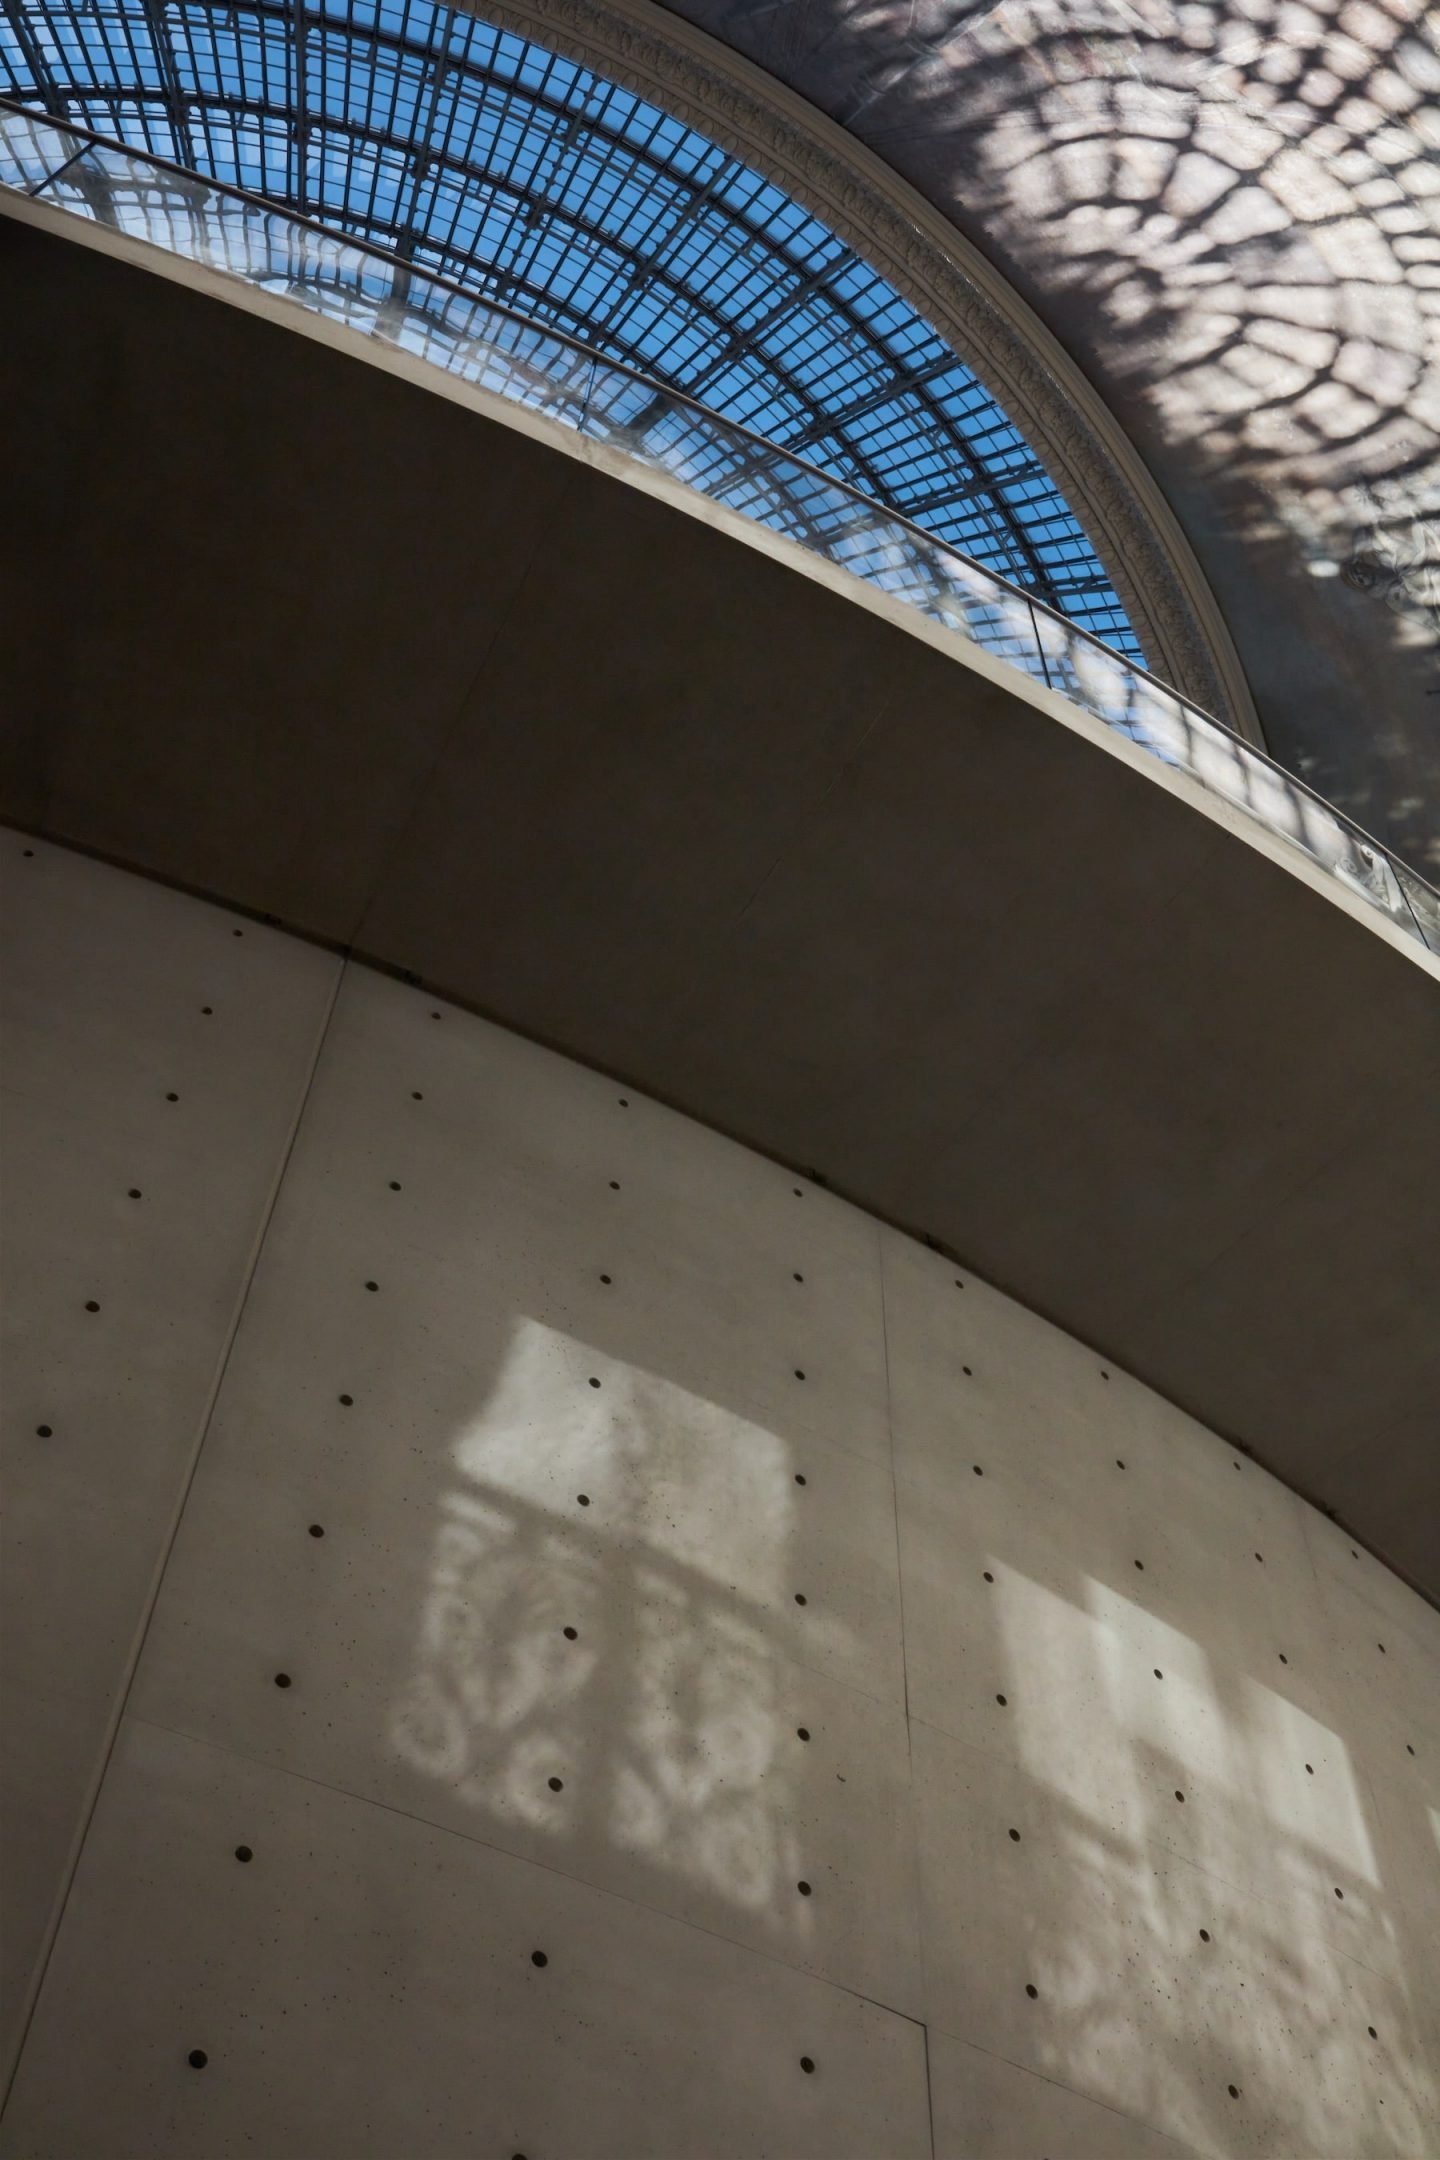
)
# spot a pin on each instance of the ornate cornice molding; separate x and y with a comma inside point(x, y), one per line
point(666, 60)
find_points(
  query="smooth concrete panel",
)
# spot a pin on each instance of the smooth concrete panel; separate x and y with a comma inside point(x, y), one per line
point(346, 621)
point(639, 809)
point(1130, 1704)
point(613, 1720)
point(658, 1752)
point(978, 1384)
point(1153, 1147)
point(1063, 1570)
point(1132, 2003)
point(1127, 1714)
point(365, 1985)
point(493, 1380)
point(1341, 1564)
point(987, 2109)
point(1363, 1645)
point(460, 1147)
point(50, 1758)
point(1238, 1665)
point(916, 904)
point(155, 1054)
point(1405, 1809)
point(711, 1498)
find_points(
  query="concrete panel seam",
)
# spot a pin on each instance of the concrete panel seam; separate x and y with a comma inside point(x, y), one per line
point(1182, 2151)
point(128, 1671)
point(442, 1829)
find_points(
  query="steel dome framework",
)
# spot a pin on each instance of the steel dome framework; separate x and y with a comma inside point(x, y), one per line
point(534, 182)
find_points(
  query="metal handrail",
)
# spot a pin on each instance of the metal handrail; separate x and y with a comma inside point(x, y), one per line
point(336, 235)
point(438, 278)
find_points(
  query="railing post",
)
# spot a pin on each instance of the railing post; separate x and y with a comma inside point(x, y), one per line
point(1039, 647)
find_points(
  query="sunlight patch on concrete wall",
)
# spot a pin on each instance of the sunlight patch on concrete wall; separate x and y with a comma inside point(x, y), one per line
point(863, 1723)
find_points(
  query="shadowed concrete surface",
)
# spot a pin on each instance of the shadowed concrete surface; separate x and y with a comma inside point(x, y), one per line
point(284, 629)
point(1228, 216)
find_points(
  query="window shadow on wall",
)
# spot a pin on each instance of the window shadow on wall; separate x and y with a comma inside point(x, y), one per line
point(612, 1579)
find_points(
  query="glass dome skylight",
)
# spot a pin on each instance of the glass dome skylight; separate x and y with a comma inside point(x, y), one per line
point(533, 182)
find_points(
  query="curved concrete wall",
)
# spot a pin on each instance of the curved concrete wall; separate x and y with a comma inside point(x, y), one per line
point(749, 1690)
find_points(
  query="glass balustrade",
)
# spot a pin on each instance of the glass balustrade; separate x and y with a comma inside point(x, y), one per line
point(528, 364)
